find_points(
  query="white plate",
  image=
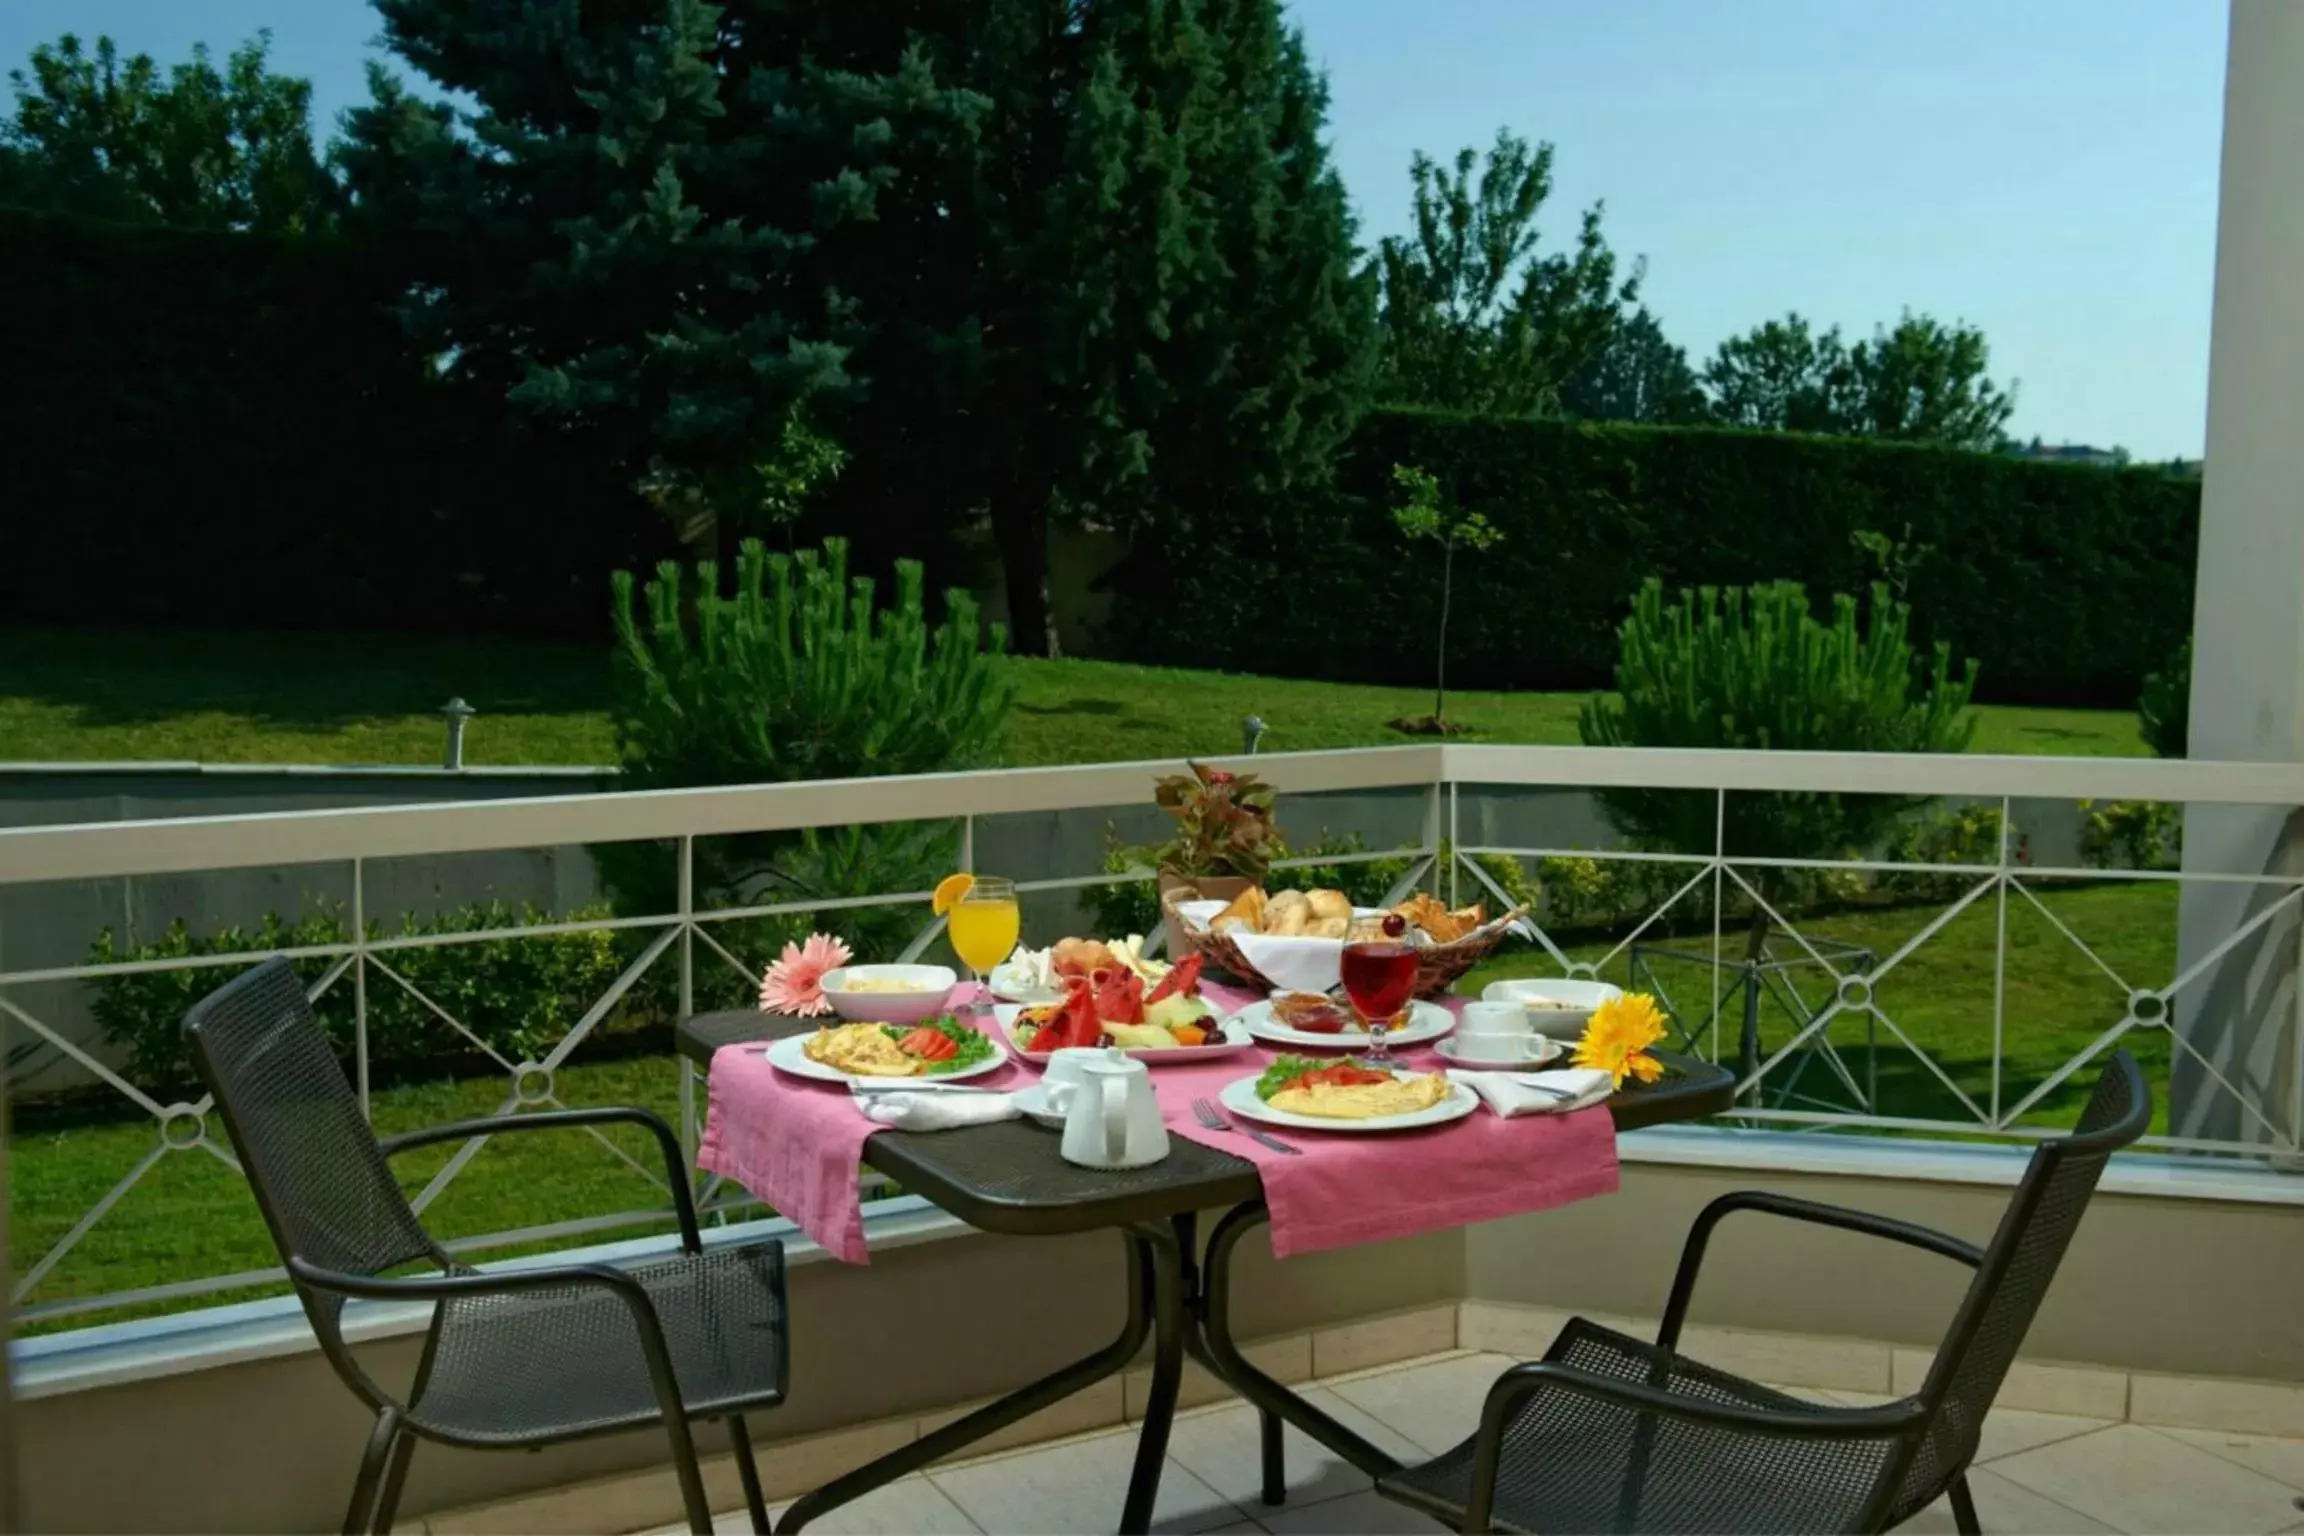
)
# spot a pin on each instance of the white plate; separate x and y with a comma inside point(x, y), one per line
point(1542, 1049)
point(1231, 1040)
point(790, 1054)
point(1239, 1096)
point(1426, 1021)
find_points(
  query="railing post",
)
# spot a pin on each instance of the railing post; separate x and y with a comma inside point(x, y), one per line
point(360, 979)
point(687, 907)
point(2000, 966)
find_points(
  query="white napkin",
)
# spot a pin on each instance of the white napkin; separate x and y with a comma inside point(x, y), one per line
point(1522, 1093)
point(937, 1111)
point(1294, 964)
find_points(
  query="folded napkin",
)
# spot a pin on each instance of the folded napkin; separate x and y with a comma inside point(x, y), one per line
point(933, 1111)
point(1537, 1093)
point(1292, 963)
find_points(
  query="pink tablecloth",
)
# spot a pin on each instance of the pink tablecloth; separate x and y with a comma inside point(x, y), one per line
point(799, 1146)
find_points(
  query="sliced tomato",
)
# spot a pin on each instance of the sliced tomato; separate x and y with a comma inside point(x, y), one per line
point(929, 1044)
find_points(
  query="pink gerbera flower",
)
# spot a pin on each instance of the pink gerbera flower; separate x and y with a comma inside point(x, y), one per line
point(795, 983)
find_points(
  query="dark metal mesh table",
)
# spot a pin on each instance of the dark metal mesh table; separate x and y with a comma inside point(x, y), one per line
point(1008, 1178)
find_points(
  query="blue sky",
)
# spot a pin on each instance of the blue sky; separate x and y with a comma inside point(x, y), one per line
point(2043, 168)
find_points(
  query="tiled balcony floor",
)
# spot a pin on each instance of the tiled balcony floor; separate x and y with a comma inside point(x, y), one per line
point(2038, 1474)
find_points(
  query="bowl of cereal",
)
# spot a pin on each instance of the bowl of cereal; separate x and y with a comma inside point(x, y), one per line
point(889, 994)
point(1557, 1006)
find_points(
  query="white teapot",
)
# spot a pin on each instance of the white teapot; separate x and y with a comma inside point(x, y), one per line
point(1111, 1119)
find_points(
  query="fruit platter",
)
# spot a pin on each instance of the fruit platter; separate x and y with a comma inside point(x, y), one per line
point(1294, 940)
point(1112, 1006)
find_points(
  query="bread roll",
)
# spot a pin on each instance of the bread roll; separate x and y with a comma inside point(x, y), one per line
point(1287, 914)
point(1246, 912)
point(1331, 906)
point(1328, 928)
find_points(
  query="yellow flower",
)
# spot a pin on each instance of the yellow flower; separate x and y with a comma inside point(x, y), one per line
point(1617, 1039)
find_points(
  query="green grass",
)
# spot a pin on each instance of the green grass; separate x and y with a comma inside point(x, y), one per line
point(222, 697)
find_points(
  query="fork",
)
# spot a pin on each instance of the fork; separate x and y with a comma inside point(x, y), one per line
point(1213, 1118)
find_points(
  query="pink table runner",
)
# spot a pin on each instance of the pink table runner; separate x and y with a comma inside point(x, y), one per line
point(799, 1146)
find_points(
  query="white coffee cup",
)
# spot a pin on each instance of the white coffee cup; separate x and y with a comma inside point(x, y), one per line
point(1493, 1046)
point(1066, 1070)
point(1502, 1018)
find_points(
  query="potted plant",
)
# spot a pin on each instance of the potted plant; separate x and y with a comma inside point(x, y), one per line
point(1225, 840)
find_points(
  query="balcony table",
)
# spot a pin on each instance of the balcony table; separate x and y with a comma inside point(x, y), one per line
point(1007, 1178)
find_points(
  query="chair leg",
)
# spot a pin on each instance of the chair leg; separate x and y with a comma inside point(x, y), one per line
point(1275, 1457)
point(395, 1479)
point(1964, 1508)
point(690, 1474)
point(381, 1442)
point(741, 1439)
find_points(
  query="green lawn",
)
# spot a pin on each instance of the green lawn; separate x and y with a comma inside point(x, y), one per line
point(73, 696)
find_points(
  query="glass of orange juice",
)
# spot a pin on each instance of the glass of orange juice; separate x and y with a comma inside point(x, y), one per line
point(983, 924)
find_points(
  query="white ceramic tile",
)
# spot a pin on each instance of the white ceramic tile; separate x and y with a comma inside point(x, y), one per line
point(1384, 1340)
point(903, 1508)
point(2005, 1508)
point(790, 1469)
point(1358, 1514)
point(2207, 1402)
point(1434, 1405)
point(1224, 1449)
point(2272, 1455)
point(1077, 1487)
point(1093, 1408)
point(2009, 1431)
point(2143, 1482)
point(1244, 1528)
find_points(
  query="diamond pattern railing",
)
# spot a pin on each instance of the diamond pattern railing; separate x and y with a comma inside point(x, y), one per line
point(1843, 1007)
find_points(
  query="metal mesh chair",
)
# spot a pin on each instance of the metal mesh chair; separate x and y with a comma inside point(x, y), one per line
point(1608, 1433)
point(516, 1359)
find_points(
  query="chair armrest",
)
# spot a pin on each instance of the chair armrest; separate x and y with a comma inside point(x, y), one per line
point(1942, 1244)
point(438, 1288)
point(675, 1166)
point(1517, 1384)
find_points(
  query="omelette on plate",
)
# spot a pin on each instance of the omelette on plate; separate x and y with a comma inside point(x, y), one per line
point(862, 1050)
point(1347, 1090)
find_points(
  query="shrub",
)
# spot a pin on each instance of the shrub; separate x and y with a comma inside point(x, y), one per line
point(2164, 712)
point(800, 673)
point(1588, 510)
point(1968, 834)
point(1756, 670)
point(2132, 834)
point(517, 995)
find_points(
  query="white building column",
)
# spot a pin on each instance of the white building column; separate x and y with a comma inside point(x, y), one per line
point(2248, 605)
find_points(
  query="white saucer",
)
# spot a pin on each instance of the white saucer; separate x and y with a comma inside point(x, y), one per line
point(1034, 1102)
point(1541, 1049)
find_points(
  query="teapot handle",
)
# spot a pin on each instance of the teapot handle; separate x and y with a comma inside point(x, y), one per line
point(1115, 1118)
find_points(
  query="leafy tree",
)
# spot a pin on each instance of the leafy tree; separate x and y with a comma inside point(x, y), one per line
point(200, 147)
point(1422, 519)
point(1923, 381)
point(1473, 318)
point(617, 230)
point(1637, 376)
point(1755, 670)
point(1127, 292)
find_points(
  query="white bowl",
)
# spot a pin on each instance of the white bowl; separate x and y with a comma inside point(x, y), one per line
point(935, 984)
point(1577, 999)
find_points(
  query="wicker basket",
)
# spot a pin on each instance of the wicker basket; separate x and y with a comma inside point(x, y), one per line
point(1438, 967)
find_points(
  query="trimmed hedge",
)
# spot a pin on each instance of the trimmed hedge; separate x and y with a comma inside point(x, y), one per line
point(231, 429)
point(2068, 583)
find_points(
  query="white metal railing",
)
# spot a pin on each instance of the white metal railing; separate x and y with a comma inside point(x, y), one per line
point(1449, 778)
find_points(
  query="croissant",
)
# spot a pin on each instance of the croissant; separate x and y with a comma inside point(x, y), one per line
point(1245, 912)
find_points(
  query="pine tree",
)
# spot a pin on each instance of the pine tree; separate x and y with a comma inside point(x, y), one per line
point(618, 231)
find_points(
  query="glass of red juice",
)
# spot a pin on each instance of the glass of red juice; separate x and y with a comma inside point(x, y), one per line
point(1379, 975)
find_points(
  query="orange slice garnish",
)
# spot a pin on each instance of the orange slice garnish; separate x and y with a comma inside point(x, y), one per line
point(950, 890)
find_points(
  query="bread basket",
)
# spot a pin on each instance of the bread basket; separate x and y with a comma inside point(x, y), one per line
point(1438, 967)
